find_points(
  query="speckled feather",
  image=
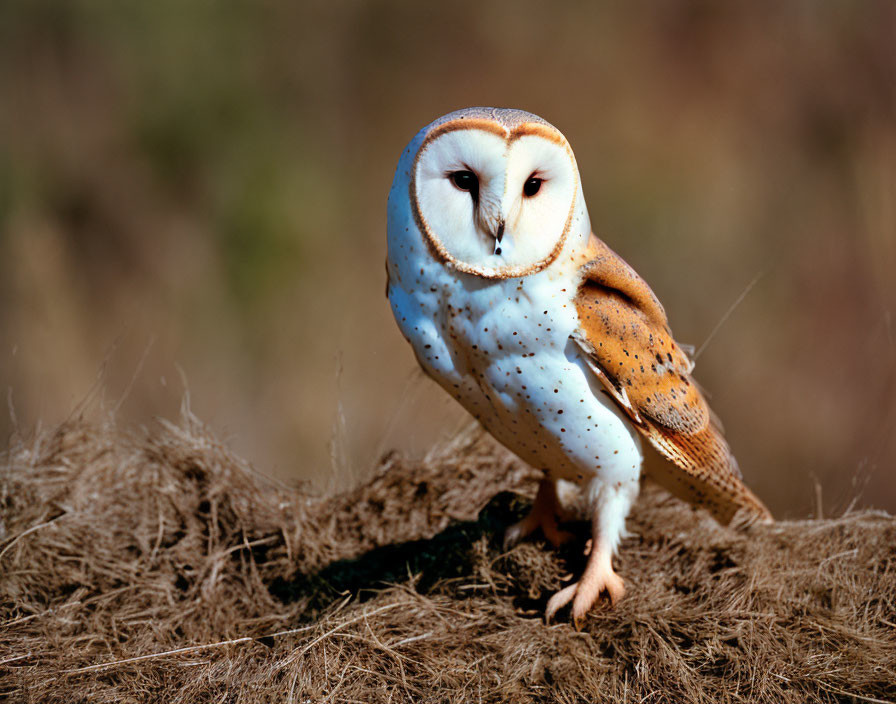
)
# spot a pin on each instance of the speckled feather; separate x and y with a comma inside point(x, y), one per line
point(626, 334)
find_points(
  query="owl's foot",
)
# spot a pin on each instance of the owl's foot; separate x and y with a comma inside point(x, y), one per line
point(543, 515)
point(599, 577)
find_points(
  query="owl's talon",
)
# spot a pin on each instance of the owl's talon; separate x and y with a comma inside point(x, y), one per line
point(598, 578)
point(542, 515)
point(515, 533)
point(559, 600)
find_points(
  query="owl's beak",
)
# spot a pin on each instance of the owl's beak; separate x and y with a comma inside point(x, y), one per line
point(499, 235)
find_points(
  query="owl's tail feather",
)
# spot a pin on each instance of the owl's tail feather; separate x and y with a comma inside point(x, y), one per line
point(711, 478)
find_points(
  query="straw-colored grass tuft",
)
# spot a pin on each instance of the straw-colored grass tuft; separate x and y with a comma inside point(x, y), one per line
point(162, 568)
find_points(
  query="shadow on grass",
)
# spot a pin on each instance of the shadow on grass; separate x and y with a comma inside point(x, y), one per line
point(444, 556)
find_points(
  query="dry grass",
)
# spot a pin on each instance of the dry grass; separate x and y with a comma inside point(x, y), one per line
point(161, 568)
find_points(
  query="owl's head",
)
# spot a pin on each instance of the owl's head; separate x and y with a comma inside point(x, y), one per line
point(494, 192)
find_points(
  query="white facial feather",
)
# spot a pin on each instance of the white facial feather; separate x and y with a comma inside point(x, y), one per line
point(463, 226)
point(497, 229)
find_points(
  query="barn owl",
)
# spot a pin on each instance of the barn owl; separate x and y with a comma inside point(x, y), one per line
point(544, 334)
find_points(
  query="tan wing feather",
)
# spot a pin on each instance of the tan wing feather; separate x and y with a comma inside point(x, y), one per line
point(625, 333)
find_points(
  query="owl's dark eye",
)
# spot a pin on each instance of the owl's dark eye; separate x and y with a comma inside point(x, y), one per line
point(532, 186)
point(466, 181)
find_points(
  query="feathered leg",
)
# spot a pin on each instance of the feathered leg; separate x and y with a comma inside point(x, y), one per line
point(610, 504)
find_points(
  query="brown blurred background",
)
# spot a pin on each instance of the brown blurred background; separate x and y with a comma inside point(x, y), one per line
point(194, 193)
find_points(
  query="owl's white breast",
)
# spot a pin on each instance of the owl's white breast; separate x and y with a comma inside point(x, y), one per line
point(502, 348)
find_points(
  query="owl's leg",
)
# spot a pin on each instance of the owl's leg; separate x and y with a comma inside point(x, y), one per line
point(610, 505)
point(543, 515)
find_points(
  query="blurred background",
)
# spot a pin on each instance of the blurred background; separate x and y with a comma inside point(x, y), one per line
point(192, 199)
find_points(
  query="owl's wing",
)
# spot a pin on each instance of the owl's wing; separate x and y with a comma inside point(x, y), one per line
point(625, 334)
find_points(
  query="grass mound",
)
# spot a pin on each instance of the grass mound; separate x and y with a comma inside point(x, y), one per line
point(162, 568)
